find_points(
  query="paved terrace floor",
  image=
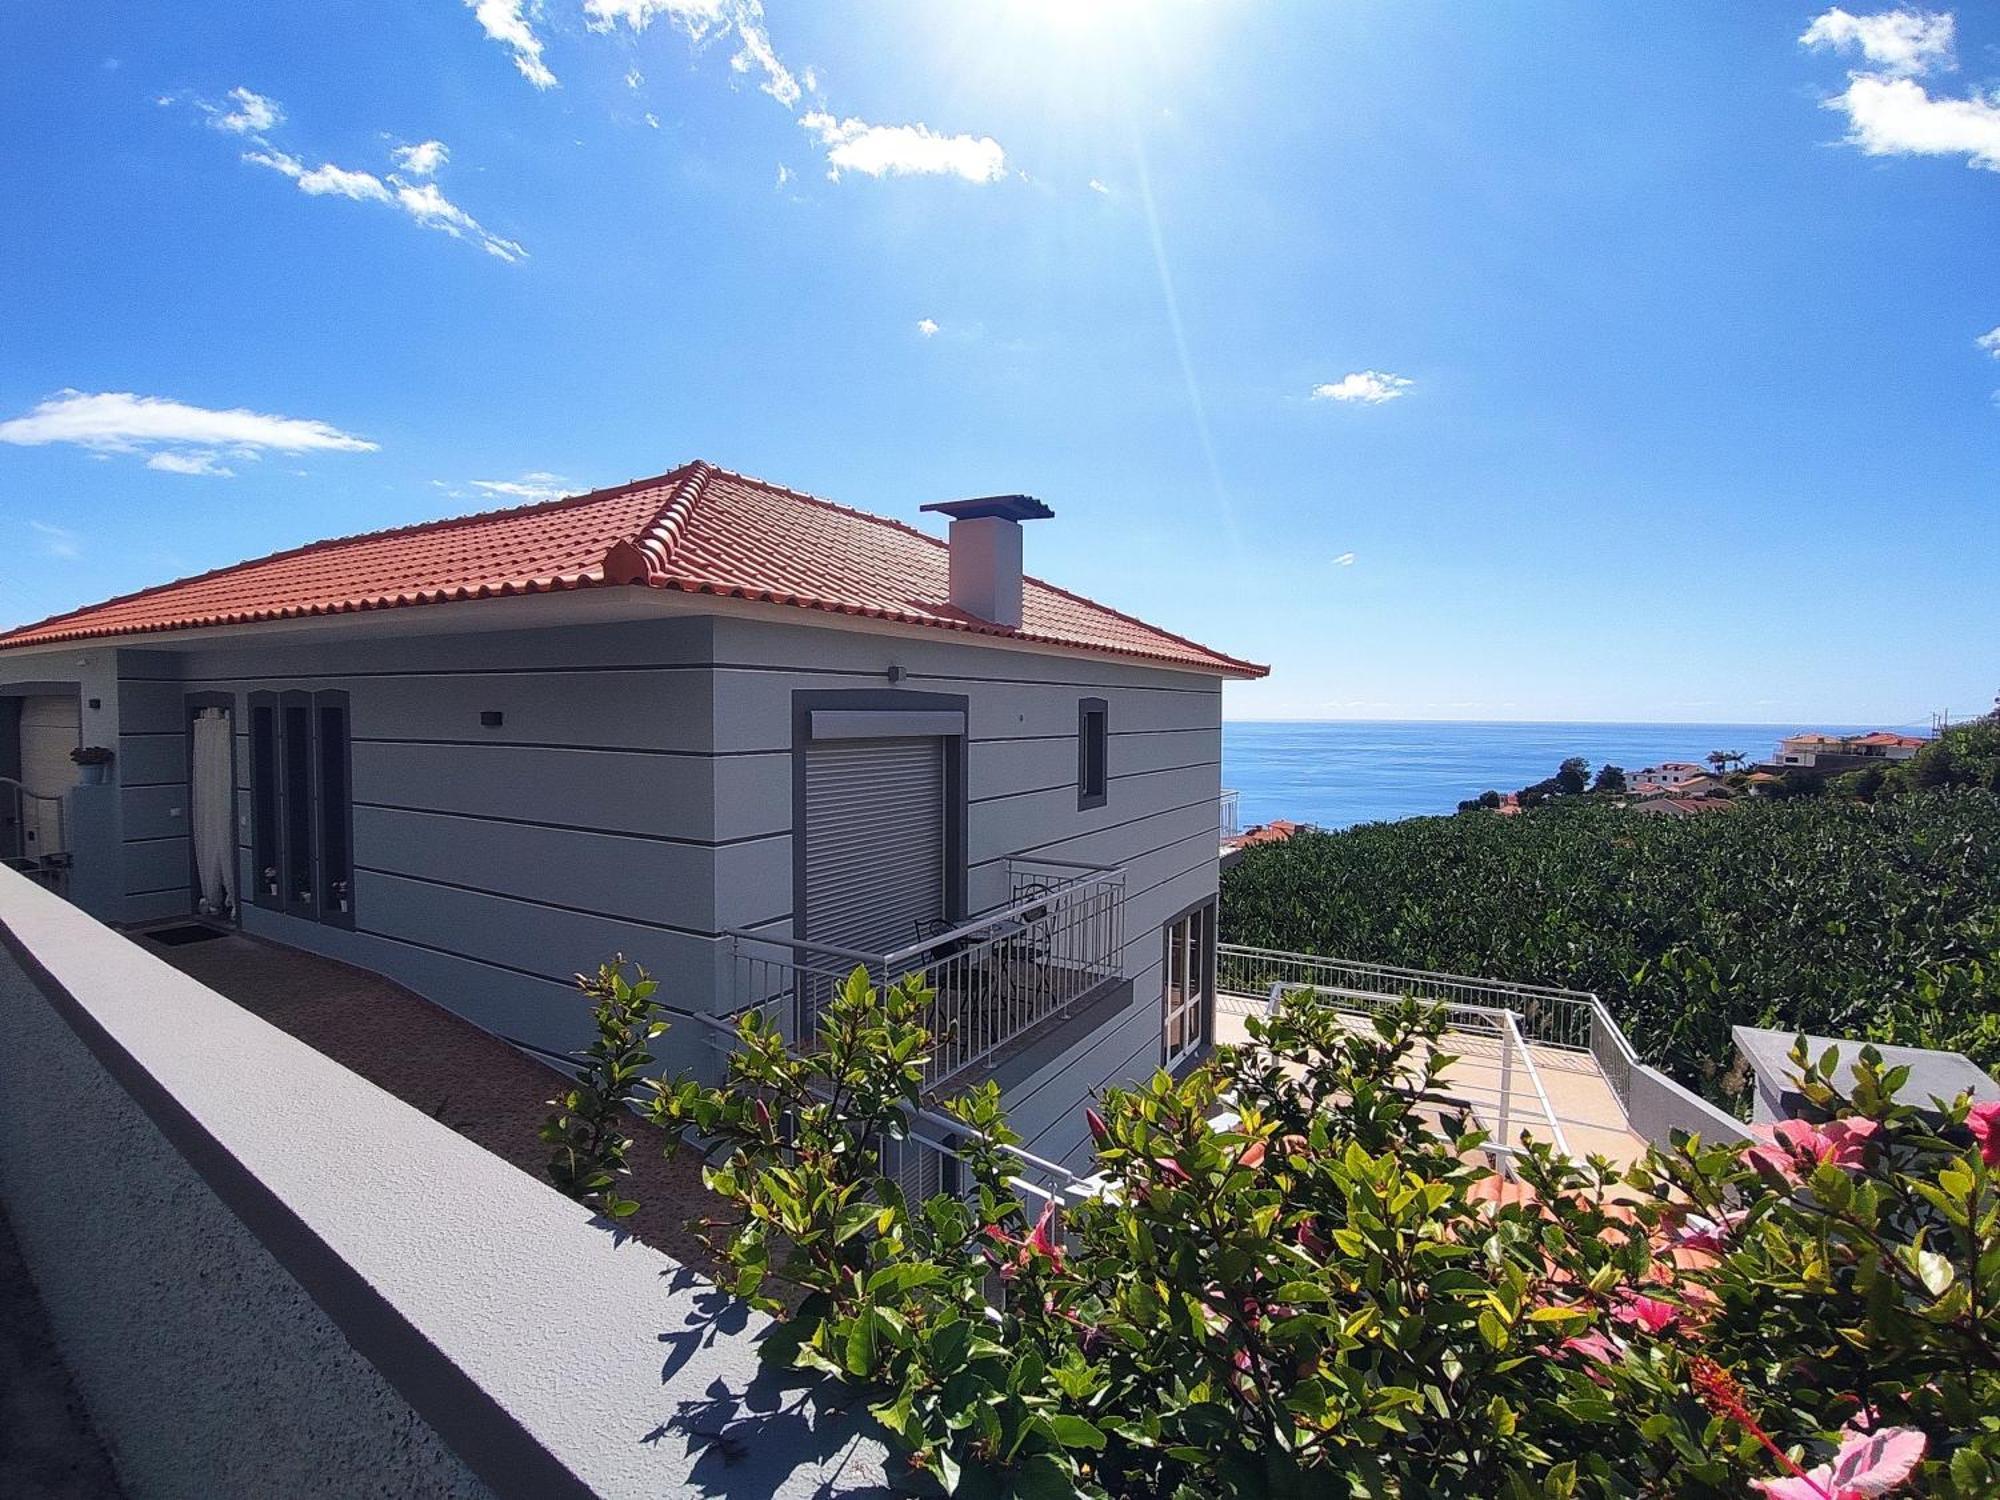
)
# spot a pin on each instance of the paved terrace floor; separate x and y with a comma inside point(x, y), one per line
point(1592, 1121)
point(489, 1092)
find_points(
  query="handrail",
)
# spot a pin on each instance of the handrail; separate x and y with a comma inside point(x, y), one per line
point(1535, 1077)
point(979, 925)
point(1435, 976)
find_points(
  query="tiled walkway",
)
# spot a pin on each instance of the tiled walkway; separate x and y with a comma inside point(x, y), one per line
point(423, 1054)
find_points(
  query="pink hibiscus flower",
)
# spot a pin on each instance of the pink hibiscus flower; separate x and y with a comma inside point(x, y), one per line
point(1868, 1464)
point(1702, 1233)
point(1792, 1148)
point(1593, 1346)
point(1641, 1311)
point(1984, 1122)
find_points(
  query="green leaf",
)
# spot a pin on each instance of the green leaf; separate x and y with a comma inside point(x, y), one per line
point(1075, 1432)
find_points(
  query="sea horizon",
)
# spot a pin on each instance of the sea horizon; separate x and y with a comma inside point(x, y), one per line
point(1336, 773)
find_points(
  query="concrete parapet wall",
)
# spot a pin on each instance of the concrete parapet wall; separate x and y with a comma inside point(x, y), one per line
point(270, 1277)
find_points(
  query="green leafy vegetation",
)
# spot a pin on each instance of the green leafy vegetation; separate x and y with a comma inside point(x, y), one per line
point(585, 1127)
point(1830, 915)
point(1301, 1278)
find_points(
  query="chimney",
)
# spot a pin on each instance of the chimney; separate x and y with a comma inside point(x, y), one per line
point(985, 548)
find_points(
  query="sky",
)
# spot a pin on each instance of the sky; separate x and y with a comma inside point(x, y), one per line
point(1512, 361)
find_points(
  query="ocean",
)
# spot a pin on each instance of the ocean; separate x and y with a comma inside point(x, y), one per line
point(1337, 773)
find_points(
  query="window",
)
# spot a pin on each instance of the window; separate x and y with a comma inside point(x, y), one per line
point(301, 814)
point(264, 887)
point(1190, 979)
point(336, 816)
point(1092, 753)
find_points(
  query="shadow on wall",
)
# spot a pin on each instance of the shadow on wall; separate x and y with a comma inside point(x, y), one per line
point(779, 1412)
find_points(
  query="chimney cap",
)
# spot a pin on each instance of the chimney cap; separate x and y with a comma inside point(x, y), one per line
point(1003, 507)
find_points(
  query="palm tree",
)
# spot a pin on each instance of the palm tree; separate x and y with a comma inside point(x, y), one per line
point(1719, 759)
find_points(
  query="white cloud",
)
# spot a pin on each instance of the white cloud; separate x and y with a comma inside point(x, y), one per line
point(703, 21)
point(1899, 117)
point(784, 174)
point(697, 17)
point(652, 119)
point(1990, 342)
point(1098, 187)
point(756, 52)
point(423, 201)
point(506, 22)
point(430, 208)
point(422, 159)
point(175, 436)
point(904, 150)
point(1900, 42)
point(1345, 560)
point(927, 326)
point(329, 181)
point(58, 541)
point(539, 485)
point(251, 114)
point(190, 461)
point(634, 78)
point(1371, 387)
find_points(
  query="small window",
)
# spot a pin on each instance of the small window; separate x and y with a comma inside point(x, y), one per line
point(1093, 735)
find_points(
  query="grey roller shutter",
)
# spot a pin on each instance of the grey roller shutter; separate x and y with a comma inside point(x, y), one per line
point(874, 857)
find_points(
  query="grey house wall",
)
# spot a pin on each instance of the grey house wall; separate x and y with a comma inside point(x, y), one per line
point(636, 798)
point(491, 863)
point(1159, 820)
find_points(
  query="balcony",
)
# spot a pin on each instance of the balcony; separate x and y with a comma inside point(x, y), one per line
point(1057, 941)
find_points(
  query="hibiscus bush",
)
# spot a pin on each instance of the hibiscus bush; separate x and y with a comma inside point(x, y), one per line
point(1298, 1273)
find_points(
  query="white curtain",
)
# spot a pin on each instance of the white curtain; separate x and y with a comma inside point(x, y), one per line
point(214, 837)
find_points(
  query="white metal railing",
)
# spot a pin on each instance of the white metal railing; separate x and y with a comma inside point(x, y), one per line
point(37, 855)
point(1059, 937)
point(928, 1159)
point(1544, 1015)
point(1230, 813)
point(1510, 1106)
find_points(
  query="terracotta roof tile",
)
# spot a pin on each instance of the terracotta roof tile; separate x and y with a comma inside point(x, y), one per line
point(698, 529)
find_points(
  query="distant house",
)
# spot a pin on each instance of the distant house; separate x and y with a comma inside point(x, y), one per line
point(1682, 807)
point(733, 731)
point(1668, 776)
point(1845, 752)
point(1274, 832)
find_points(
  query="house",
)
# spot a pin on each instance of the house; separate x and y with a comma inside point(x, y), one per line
point(743, 735)
point(1682, 807)
point(1668, 776)
point(1846, 752)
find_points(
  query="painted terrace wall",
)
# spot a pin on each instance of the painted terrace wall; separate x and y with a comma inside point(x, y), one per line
point(636, 797)
point(1158, 821)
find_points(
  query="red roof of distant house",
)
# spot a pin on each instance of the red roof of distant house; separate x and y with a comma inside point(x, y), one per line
point(699, 530)
point(1883, 737)
point(1274, 832)
point(1684, 805)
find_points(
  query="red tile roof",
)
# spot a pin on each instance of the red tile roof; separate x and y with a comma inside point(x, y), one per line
point(699, 530)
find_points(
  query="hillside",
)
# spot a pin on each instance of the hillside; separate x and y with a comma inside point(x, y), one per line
point(1834, 915)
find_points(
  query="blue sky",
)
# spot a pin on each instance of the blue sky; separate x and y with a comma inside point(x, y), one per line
point(1500, 361)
